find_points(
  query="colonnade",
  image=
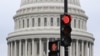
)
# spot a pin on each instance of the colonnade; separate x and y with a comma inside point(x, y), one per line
point(28, 47)
point(39, 47)
point(81, 48)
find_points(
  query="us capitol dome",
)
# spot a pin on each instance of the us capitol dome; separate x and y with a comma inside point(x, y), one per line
point(38, 21)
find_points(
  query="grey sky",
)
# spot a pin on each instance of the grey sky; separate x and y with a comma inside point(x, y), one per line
point(8, 9)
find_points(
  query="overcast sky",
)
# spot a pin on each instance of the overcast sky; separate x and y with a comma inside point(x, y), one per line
point(8, 9)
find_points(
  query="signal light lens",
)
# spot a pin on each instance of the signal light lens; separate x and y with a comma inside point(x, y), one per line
point(66, 19)
point(67, 30)
point(54, 47)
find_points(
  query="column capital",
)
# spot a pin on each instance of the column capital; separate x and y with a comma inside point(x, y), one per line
point(33, 38)
point(40, 38)
point(8, 43)
point(26, 39)
point(77, 40)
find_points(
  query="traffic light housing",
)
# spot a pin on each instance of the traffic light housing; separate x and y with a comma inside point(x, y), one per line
point(65, 30)
point(54, 48)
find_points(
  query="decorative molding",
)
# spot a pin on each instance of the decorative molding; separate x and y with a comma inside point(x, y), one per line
point(48, 9)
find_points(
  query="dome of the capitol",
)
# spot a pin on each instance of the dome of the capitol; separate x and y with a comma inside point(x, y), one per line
point(38, 21)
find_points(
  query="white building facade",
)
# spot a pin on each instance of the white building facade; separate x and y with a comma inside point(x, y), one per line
point(38, 21)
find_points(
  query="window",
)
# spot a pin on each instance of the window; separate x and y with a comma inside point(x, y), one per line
point(39, 21)
point(51, 21)
point(23, 23)
point(58, 21)
point(45, 21)
point(74, 23)
point(16, 24)
point(19, 24)
point(79, 23)
point(27, 22)
point(33, 22)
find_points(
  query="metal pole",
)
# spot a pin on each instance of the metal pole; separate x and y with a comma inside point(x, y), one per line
point(65, 6)
point(66, 12)
point(66, 51)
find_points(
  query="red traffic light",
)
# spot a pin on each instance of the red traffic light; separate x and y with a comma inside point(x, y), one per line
point(66, 19)
point(54, 47)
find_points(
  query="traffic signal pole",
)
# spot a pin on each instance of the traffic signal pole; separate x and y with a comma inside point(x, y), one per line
point(65, 6)
point(66, 12)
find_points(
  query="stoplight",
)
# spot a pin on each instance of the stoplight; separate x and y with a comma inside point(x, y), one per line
point(54, 48)
point(65, 30)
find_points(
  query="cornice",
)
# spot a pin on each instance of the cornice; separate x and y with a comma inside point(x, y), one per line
point(39, 31)
point(51, 35)
point(48, 10)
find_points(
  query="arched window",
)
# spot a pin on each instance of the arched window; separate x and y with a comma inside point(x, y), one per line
point(27, 22)
point(32, 22)
point(45, 21)
point(58, 21)
point(51, 21)
point(39, 21)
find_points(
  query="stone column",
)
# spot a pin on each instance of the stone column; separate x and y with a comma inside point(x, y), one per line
point(36, 21)
point(42, 21)
point(30, 22)
point(17, 27)
point(73, 48)
point(90, 49)
point(33, 48)
point(72, 23)
point(21, 23)
point(23, 48)
point(40, 47)
point(54, 21)
point(82, 50)
point(11, 49)
point(48, 21)
point(26, 47)
point(15, 24)
point(29, 48)
point(47, 46)
point(77, 51)
point(86, 49)
point(15, 48)
point(70, 50)
point(20, 47)
point(79, 48)
point(25, 23)
point(62, 51)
